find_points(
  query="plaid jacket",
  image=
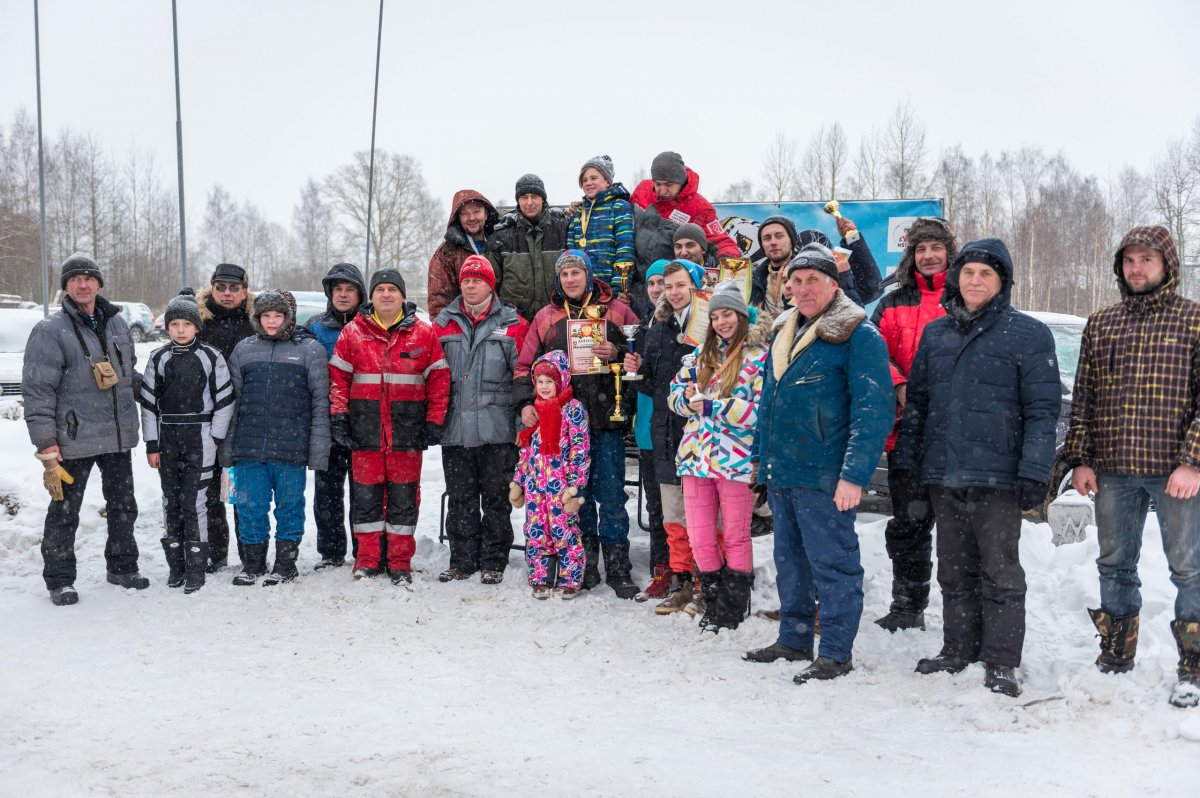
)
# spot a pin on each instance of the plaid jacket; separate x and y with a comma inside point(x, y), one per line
point(1134, 410)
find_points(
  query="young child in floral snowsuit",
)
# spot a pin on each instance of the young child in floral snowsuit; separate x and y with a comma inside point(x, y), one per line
point(550, 476)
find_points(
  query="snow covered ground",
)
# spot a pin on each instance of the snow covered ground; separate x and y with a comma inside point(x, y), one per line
point(328, 686)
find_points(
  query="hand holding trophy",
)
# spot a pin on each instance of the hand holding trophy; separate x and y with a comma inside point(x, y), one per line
point(630, 331)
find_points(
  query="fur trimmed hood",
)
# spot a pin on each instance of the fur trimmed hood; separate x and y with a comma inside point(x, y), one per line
point(207, 313)
point(923, 230)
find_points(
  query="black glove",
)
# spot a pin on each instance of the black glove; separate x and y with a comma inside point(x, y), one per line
point(433, 434)
point(339, 430)
point(1030, 494)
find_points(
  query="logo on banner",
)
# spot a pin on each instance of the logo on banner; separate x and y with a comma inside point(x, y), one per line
point(897, 239)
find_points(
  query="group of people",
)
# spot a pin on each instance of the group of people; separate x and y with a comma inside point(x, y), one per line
point(773, 407)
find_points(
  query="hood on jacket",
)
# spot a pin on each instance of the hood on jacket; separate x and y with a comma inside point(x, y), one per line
point(455, 235)
point(556, 359)
point(342, 273)
point(994, 253)
point(614, 191)
point(1157, 238)
point(207, 313)
point(281, 302)
point(691, 187)
point(923, 229)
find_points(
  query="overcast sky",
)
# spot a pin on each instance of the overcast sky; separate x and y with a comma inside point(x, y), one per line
point(277, 92)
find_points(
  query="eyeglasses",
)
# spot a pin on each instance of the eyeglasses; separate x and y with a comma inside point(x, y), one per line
point(227, 288)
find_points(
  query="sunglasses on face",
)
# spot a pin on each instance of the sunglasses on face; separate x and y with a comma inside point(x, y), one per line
point(227, 288)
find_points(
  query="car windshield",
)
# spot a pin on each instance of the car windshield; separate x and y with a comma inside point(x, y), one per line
point(1066, 346)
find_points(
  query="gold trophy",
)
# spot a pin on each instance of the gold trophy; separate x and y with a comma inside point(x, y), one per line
point(623, 270)
point(593, 314)
point(831, 208)
point(617, 415)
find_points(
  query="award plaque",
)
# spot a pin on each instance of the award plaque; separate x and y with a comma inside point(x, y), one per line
point(740, 272)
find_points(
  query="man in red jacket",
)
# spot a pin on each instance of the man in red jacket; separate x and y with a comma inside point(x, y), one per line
point(901, 317)
point(674, 191)
point(388, 394)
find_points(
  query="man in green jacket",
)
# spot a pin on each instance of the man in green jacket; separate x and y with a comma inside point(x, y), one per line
point(525, 247)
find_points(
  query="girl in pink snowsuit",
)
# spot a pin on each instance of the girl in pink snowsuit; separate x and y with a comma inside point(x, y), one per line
point(553, 468)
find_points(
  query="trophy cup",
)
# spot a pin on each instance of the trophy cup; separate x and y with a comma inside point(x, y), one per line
point(623, 270)
point(617, 415)
point(831, 208)
point(689, 363)
point(630, 330)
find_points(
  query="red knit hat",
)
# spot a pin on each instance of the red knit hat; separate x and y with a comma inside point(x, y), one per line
point(480, 268)
point(549, 369)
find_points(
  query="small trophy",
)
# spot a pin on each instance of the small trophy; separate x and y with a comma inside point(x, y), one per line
point(630, 330)
point(831, 208)
point(623, 270)
point(689, 363)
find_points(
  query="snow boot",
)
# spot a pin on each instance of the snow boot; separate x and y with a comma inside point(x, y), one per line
point(130, 580)
point(1001, 679)
point(710, 594)
point(1186, 693)
point(942, 663)
point(329, 562)
point(909, 599)
point(195, 558)
point(1118, 641)
point(254, 564)
point(616, 570)
point(454, 574)
point(660, 584)
point(823, 669)
point(173, 549)
point(777, 651)
point(678, 597)
point(591, 568)
point(284, 569)
point(491, 577)
point(400, 576)
point(733, 599)
point(63, 596)
point(696, 606)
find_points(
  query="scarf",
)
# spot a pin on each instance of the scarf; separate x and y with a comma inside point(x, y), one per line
point(549, 413)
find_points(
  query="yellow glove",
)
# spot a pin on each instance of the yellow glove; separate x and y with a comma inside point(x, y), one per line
point(55, 475)
point(571, 500)
point(516, 495)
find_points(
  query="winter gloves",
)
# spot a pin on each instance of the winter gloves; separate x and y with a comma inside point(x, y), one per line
point(1030, 494)
point(516, 495)
point(433, 434)
point(339, 430)
point(55, 475)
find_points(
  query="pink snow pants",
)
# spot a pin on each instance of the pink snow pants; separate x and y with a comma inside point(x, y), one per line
point(703, 499)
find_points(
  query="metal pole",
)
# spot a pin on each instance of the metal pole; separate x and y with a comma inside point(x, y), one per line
point(371, 168)
point(179, 153)
point(37, 57)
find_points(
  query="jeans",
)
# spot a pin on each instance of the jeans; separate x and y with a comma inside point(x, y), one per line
point(606, 488)
point(816, 550)
point(256, 483)
point(1122, 501)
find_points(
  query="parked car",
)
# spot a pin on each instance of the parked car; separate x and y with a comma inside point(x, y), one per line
point(309, 304)
point(140, 319)
point(1067, 331)
point(159, 332)
point(15, 326)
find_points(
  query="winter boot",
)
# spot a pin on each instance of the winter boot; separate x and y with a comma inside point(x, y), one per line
point(284, 569)
point(173, 549)
point(710, 594)
point(678, 597)
point(777, 651)
point(1001, 679)
point(454, 574)
point(1118, 641)
point(660, 584)
point(400, 576)
point(1187, 691)
point(254, 564)
point(942, 663)
point(591, 570)
point(733, 600)
point(823, 669)
point(909, 599)
point(696, 606)
point(63, 596)
point(195, 557)
point(616, 570)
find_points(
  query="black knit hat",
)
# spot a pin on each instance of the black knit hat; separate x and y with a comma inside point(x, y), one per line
point(229, 273)
point(787, 224)
point(391, 276)
point(531, 184)
point(668, 166)
point(183, 307)
point(814, 256)
point(78, 264)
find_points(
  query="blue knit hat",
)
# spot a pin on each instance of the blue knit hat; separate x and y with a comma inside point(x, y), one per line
point(656, 268)
point(694, 269)
point(573, 258)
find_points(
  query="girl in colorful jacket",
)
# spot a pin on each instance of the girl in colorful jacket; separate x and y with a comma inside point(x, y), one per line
point(719, 397)
point(551, 474)
point(603, 225)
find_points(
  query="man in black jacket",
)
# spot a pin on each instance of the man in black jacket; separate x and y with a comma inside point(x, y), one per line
point(525, 247)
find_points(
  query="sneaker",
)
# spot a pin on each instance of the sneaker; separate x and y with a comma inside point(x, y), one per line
point(541, 592)
point(453, 574)
point(777, 651)
point(363, 572)
point(823, 669)
point(329, 562)
point(659, 587)
point(1001, 679)
point(491, 577)
point(567, 593)
point(132, 580)
point(400, 577)
point(942, 663)
point(63, 596)
point(679, 597)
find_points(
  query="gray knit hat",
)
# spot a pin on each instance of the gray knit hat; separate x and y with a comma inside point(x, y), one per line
point(78, 264)
point(183, 307)
point(602, 164)
point(728, 296)
point(693, 232)
point(814, 256)
point(668, 166)
point(531, 184)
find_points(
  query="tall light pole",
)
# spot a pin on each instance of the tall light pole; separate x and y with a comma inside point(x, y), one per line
point(371, 167)
point(37, 57)
point(179, 153)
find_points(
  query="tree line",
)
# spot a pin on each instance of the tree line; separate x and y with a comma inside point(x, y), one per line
point(1061, 225)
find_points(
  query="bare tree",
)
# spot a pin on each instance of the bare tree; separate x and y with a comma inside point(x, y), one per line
point(781, 169)
point(1175, 185)
point(955, 181)
point(739, 191)
point(825, 163)
point(904, 153)
point(868, 180)
point(313, 227)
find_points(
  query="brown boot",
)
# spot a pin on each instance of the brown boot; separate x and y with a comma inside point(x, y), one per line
point(677, 597)
point(1118, 641)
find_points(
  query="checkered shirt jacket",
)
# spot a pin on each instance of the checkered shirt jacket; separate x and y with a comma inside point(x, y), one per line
point(1134, 409)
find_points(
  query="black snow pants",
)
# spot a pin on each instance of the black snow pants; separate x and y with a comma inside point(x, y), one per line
point(659, 554)
point(329, 504)
point(187, 463)
point(477, 517)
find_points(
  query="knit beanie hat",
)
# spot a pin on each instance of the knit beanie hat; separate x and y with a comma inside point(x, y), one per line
point(280, 302)
point(183, 307)
point(787, 224)
point(478, 267)
point(694, 269)
point(573, 258)
point(547, 368)
point(602, 164)
point(229, 273)
point(656, 268)
point(693, 232)
point(814, 256)
point(668, 166)
point(728, 296)
point(78, 264)
point(390, 276)
point(531, 184)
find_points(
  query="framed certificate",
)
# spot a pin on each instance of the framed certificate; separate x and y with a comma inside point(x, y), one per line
point(583, 335)
point(697, 326)
point(738, 270)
